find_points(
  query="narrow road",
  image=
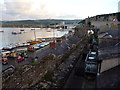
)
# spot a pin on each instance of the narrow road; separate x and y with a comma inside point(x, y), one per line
point(74, 81)
point(77, 77)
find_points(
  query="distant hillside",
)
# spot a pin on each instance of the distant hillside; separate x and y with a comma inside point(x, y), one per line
point(102, 17)
point(43, 22)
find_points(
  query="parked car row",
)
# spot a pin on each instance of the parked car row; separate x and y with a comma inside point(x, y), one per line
point(91, 61)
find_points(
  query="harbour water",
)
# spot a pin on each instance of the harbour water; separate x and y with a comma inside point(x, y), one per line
point(7, 37)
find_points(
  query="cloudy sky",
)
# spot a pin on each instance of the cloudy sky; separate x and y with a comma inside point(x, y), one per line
point(55, 9)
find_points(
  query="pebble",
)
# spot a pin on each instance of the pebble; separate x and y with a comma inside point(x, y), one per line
point(71, 65)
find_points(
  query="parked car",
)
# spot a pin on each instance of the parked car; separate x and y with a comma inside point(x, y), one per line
point(91, 63)
point(20, 59)
point(4, 61)
point(91, 70)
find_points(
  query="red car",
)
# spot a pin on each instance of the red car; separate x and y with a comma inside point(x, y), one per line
point(4, 61)
point(20, 59)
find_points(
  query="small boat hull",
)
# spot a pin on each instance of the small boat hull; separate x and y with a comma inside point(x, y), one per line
point(16, 32)
point(1, 31)
point(34, 42)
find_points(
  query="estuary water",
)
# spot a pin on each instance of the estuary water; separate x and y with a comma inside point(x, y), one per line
point(7, 37)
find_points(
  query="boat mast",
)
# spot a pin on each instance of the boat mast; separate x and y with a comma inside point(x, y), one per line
point(34, 34)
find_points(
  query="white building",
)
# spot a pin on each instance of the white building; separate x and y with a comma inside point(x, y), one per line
point(119, 6)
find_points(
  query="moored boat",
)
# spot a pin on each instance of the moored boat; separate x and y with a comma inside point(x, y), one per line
point(14, 46)
point(1, 31)
point(34, 42)
point(21, 30)
point(14, 32)
point(22, 44)
point(8, 48)
point(32, 29)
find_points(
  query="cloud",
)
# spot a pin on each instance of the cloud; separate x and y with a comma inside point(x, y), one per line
point(18, 7)
point(35, 9)
point(24, 9)
point(69, 16)
point(45, 9)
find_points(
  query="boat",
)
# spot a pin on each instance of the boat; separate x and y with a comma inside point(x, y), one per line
point(60, 29)
point(1, 31)
point(22, 45)
point(36, 47)
point(26, 44)
point(34, 42)
point(14, 32)
point(8, 48)
point(14, 46)
point(48, 30)
point(45, 43)
point(22, 30)
point(40, 45)
point(32, 29)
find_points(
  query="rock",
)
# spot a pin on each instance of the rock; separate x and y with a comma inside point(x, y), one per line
point(45, 85)
point(55, 74)
point(48, 82)
point(71, 65)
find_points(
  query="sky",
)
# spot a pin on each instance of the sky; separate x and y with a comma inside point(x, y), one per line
point(54, 9)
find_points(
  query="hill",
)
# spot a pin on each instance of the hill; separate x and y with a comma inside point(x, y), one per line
point(42, 21)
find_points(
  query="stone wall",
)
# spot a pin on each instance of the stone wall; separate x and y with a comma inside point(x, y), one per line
point(80, 31)
point(102, 23)
point(108, 64)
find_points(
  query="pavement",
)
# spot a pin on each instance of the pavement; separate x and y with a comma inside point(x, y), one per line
point(109, 79)
point(77, 78)
point(74, 81)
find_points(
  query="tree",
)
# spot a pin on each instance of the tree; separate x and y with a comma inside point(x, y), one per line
point(89, 23)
